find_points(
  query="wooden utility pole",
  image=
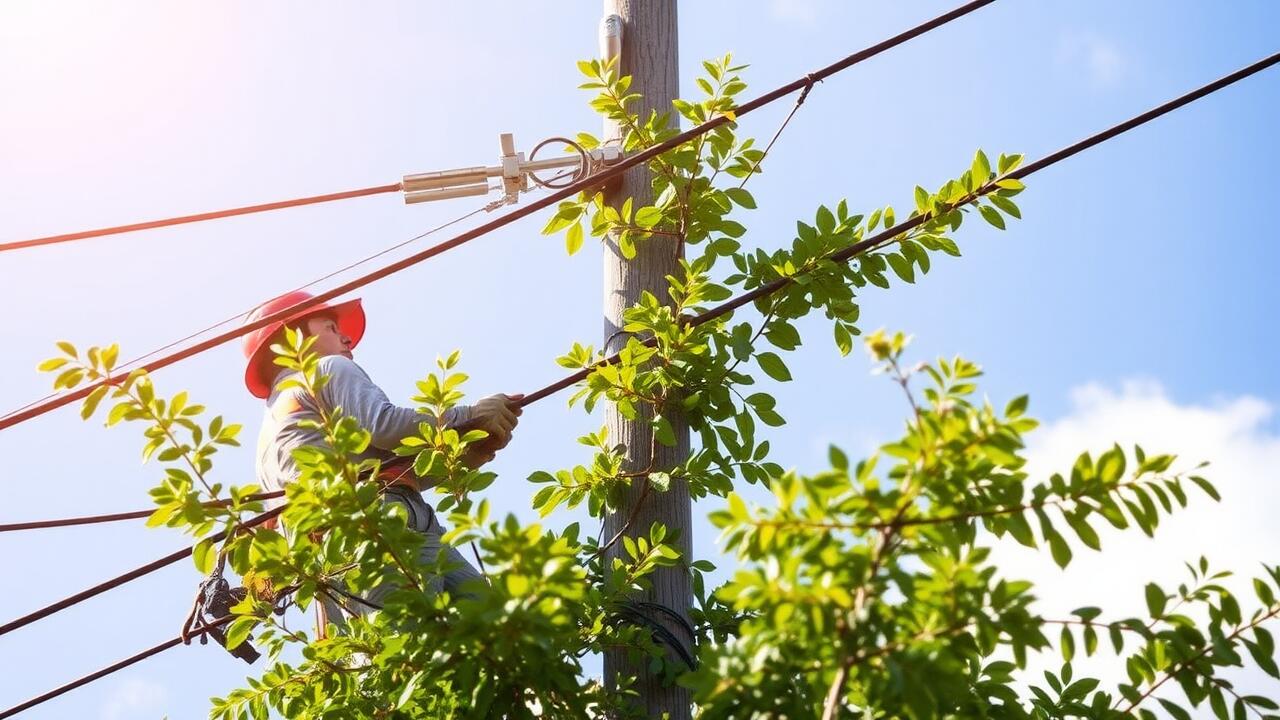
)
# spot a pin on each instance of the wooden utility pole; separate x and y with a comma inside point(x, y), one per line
point(648, 55)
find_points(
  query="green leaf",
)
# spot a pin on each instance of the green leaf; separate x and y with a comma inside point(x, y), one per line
point(1058, 548)
point(567, 214)
point(162, 514)
point(1084, 531)
point(541, 476)
point(741, 197)
point(844, 340)
point(1016, 407)
point(648, 216)
point(838, 459)
point(627, 245)
point(1206, 487)
point(204, 554)
point(1175, 710)
point(1006, 205)
point(1155, 600)
point(573, 238)
point(783, 334)
point(922, 200)
point(663, 432)
point(981, 168)
point(1111, 465)
point(52, 364)
point(1008, 162)
point(91, 402)
point(1264, 592)
point(991, 215)
point(826, 221)
point(239, 629)
point(773, 366)
point(410, 687)
point(901, 267)
point(68, 378)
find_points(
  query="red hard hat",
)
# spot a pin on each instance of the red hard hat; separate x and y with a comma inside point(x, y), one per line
point(257, 344)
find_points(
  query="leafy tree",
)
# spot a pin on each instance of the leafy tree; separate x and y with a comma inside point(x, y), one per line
point(865, 591)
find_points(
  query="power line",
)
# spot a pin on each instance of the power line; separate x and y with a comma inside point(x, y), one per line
point(728, 306)
point(114, 517)
point(134, 574)
point(838, 256)
point(137, 514)
point(96, 675)
point(851, 251)
point(200, 217)
point(132, 659)
point(602, 177)
point(210, 328)
point(805, 85)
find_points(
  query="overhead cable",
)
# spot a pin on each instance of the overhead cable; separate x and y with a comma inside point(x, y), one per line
point(595, 180)
point(115, 517)
point(127, 365)
point(98, 674)
point(843, 255)
point(134, 574)
point(848, 253)
point(199, 217)
point(839, 256)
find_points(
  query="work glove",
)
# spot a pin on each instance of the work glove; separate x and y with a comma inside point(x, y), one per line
point(496, 415)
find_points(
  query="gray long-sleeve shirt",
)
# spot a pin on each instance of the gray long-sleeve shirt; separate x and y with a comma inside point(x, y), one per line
point(349, 388)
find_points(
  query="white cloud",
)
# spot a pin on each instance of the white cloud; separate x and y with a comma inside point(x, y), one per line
point(1236, 534)
point(136, 697)
point(1102, 63)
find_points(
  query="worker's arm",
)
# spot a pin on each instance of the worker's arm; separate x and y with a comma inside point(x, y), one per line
point(351, 389)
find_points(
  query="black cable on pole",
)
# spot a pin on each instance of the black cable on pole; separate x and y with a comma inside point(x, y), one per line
point(856, 249)
point(604, 176)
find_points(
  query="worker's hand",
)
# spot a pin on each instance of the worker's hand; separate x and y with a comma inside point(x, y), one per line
point(496, 415)
point(476, 456)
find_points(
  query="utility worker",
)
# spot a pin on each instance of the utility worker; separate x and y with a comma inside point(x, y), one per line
point(338, 329)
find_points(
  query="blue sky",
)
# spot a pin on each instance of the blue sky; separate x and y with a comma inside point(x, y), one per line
point(1141, 273)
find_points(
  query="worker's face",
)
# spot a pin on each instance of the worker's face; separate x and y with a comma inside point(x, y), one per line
point(329, 340)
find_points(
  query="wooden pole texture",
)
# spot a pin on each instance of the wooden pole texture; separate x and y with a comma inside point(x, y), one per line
point(649, 56)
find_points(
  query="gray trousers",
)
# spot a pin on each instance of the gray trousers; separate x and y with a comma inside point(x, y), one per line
point(421, 518)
